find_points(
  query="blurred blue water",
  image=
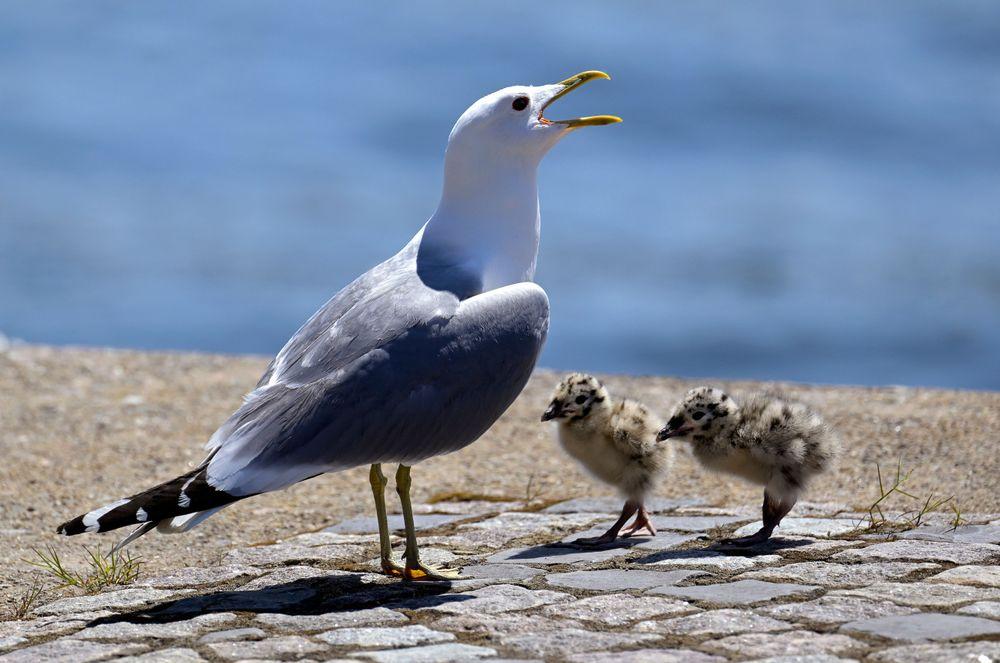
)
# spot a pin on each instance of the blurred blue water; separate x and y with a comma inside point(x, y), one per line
point(801, 190)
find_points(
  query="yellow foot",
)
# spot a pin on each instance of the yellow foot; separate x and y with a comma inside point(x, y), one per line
point(424, 572)
point(391, 568)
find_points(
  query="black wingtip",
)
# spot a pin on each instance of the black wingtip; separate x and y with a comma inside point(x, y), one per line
point(71, 527)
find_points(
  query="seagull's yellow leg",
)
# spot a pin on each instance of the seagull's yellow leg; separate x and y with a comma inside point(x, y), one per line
point(378, 482)
point(414, 569)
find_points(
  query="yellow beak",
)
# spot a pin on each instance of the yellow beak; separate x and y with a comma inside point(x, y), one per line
point(570, 84)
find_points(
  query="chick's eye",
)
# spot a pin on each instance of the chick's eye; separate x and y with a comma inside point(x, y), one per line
point(580, 399)
point(697, 415)
point(520, 103)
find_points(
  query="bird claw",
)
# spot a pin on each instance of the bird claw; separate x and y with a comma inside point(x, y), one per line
point(423, 572)
point(393, 569)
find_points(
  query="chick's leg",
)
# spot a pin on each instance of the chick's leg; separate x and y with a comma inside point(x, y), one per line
point(773, 510)
point(414, 570)
point(378, 482)
point(641, 522)
point(612, 533)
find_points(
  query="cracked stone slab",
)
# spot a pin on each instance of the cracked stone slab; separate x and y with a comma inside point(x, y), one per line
point(277, 647)
point(369, 524)
point(831, 610)
point(738, 593)
point(616, 580)
point(986, 576)
point(924, 626)
point(711, 560)
point(122, 598)
point(988, 609)
point(647, 656)
point(787, 643)
point(972, 652)
point(506, 572)
point(131, 631)
point(488, 600)
point(961, 534)
point(840, 575)
point(379, 616)
point(556, 555)
point(284, 553)
point(172, 655)
point(922, 594)
point(923, 551)
point(814, 527)
point(197, 576)
point(385, 636)
point(554, 644)
point(613, 505)
point(69, 650)
point(445, 653)
point(503, 624)
point(714, 623)
point(618, 609)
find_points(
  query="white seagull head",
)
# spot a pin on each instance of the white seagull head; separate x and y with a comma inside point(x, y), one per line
point(511, 121)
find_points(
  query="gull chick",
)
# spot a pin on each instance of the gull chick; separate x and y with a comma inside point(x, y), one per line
point(768, 440)
point(615, 441)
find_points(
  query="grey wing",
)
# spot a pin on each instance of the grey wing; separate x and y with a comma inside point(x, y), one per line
point(430, 383)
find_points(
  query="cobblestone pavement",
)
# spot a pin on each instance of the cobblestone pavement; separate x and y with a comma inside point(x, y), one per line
point(819, 591)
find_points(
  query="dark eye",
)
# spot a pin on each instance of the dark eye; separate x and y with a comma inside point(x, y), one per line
point(580, 399)
point(697, 415)
point(520, 103)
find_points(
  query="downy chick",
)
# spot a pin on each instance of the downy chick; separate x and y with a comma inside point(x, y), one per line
point(767, 440)
point(615, 441)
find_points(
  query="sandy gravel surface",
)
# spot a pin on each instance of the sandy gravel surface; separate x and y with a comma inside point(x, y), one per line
point(79, 428)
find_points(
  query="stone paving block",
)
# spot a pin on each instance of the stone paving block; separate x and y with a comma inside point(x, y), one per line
point(385, 636)
point(662, 540)
point(696, 523)
point(618, 609)
point(197, 576)
point(130, 631)
point(505, 527)
point(924, 626)
point(970, 652)
point(554, 644)
point(613, 505)
point(711, 560)
point(48, 626)
point(738, 593)
point(714, 623)
point(922, 594)
point(122, 598)
point(787, 643)
point(284, 553)
point(488, 600)
point(379, 616)
point(989, 609)
point(445, 653)
point(831, 610)
point(469, 508)
point(815, 527)
point(647, 656)
point(616, 580)
point(288, 575)
point(828, 574)
point(232, 635)
point(323, 538)
point(805, 658)
point(277, 647)
point(68, 650)
point(503, 623)
point(986, 576)
point(172, 655)
point(962, 534)
point(556, 555)
point(369, 524)
point(924, 551)
point(507, 572)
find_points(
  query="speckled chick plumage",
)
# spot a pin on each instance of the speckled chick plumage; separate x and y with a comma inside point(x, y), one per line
point(614, 440)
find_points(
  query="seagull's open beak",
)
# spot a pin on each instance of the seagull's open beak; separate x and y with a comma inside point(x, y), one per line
point(568, 86)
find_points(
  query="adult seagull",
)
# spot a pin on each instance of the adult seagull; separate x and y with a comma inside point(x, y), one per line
point(416, 358)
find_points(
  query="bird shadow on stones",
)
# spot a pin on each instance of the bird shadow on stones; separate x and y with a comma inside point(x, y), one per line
point(714, 550)
point(309, 596)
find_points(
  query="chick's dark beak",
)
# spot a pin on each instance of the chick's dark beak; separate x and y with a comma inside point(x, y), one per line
point(664, 434)
point(553, 411)
point(669, 432)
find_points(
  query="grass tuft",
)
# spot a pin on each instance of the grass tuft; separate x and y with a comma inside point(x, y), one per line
point(879, 522)
point(23, 604)
point(103, 570)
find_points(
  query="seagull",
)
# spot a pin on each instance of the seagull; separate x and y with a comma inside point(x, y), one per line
point(615, 440)
point(415, 358)
point(768, 440)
